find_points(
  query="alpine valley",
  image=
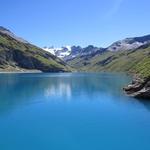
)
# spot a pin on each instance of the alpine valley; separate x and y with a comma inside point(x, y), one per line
point(131, 55)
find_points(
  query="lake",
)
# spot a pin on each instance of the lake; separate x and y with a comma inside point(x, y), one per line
point(71, 111)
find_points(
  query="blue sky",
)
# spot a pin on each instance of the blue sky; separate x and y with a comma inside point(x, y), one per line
point(75, 22)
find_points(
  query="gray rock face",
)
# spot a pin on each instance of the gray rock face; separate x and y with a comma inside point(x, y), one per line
point(77, 51)
point(129, 43)
point(139, 88)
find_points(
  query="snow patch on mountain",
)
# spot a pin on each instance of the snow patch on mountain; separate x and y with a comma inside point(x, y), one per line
point(59, 52)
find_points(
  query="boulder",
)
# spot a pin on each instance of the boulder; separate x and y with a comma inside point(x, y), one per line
point(139, 88)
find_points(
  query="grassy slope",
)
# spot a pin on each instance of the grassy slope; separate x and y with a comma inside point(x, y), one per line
point(133, 61)
point(49, 62)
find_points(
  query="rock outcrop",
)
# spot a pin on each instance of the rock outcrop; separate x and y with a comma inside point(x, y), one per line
point(139, 88)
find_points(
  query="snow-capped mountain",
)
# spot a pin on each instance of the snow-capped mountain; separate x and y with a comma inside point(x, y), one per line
point(69, 52)
point(59, 52)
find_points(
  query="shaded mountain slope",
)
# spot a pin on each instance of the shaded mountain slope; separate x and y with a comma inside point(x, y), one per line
point(17, 54)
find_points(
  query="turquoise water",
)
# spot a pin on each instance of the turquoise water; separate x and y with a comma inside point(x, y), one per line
point(71, 112)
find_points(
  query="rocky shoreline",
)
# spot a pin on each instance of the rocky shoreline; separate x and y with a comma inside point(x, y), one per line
point(139, 88)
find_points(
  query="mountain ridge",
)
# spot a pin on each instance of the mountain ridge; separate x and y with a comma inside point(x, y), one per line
point(70, 52)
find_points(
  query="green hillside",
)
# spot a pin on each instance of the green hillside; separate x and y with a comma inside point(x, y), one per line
point(16, 55)
point(131, 61)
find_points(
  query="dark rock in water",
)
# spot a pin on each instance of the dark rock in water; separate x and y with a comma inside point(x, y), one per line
point(139, 88)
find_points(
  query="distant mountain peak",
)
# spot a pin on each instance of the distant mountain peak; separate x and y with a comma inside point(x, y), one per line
point(70, 52)
point(59, 52)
